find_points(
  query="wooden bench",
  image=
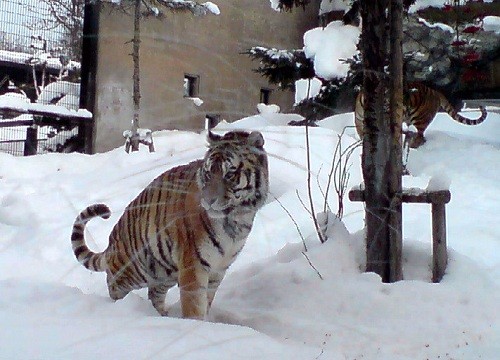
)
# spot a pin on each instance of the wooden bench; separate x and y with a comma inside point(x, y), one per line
point(438, 199)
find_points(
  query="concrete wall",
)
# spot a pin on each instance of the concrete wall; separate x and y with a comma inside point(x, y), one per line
point(209, 47)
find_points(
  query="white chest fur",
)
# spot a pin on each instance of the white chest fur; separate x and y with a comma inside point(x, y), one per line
point(230, 234)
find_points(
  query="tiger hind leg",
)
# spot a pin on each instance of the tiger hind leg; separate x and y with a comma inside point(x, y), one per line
point(116, 290)
point(417, 140)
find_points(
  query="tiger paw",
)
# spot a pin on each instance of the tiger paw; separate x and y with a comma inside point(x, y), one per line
point(163, 311)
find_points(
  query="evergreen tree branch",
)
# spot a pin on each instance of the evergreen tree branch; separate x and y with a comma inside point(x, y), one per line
point(288, 5)
point(282, 67)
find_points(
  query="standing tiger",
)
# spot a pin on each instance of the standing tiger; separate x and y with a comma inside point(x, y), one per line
point(421, 105)
point(186, 227)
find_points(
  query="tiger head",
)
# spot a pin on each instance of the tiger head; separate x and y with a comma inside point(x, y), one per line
point(234, 173)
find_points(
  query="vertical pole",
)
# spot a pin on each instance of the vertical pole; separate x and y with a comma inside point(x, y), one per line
point(377, 136)
point(396, 118)
point(88, 86)
point(31, 143)
point(134, 139)
point(439, 255)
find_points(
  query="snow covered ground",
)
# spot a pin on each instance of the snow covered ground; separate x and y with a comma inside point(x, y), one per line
point(272, 304)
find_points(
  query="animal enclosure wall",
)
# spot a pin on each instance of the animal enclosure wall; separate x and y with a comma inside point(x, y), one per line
point(182, 48)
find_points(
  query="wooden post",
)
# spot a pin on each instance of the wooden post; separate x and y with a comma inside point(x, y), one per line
point(377, 139)
point(439, 254)
point(31, 143)
point(86, 129)
point(396, 158)
point(438, 199)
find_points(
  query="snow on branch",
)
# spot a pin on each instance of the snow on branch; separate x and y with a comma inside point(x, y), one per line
point(193, 6)
point(288, 5)
point(282, 67)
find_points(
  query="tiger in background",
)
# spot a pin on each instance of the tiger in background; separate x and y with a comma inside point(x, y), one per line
point(186, 227)
point(421, 104)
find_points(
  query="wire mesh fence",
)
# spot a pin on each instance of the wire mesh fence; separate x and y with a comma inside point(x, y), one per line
point(40, 56)
point(22, 140)
point(12, 140)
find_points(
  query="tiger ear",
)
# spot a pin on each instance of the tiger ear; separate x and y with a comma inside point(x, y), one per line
point(213, 138)
point(256, 139)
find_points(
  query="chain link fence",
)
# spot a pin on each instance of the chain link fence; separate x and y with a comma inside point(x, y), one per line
point(40, 57)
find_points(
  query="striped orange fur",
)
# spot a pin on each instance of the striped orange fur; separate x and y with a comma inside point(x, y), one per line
point(186, 227)
point(421, 104)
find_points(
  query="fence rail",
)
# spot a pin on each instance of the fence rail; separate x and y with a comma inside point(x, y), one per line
point(14, 147)
point(493, 103)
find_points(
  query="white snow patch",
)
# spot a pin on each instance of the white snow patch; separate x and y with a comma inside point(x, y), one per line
point(423, 4)
point(334, 5)
point(329, 46)
point(268, 109)
point(307, 89)
point(213, 8)
point(492, 23)
point(439, 182)
point(272, 304)
point(42, 57)
point(197, 101)
point(67, 92)
point(275, 5)
point(441, 26)
point(20, 104)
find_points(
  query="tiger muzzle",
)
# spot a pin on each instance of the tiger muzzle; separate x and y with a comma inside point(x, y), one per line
point(213, 195)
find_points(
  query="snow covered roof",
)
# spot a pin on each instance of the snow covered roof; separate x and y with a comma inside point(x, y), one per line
point(15, 103)
point(25, 58)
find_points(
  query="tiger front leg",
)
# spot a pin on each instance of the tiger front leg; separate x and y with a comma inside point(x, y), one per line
point(214, 281)
point(193, 285)
point(157, 294)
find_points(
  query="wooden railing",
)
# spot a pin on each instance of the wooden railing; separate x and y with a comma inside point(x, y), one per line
point(438, 199)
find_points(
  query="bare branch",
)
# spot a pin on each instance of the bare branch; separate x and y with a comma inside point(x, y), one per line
point(311, 264)
point(293, 220)
point(339, 171)
point(309, 190)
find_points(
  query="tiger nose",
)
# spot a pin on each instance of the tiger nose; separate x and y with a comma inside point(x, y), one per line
point(213, 192)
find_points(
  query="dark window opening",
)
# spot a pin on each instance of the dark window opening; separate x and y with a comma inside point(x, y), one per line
point(191, 85)
point(265, 95)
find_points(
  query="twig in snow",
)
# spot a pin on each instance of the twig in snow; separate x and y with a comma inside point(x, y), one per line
point(293, 220)
point(311, 264)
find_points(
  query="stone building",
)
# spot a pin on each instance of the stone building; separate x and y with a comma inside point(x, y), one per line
point(184, 57)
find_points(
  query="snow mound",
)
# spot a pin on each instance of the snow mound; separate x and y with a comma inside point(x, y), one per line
point(278, 300)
